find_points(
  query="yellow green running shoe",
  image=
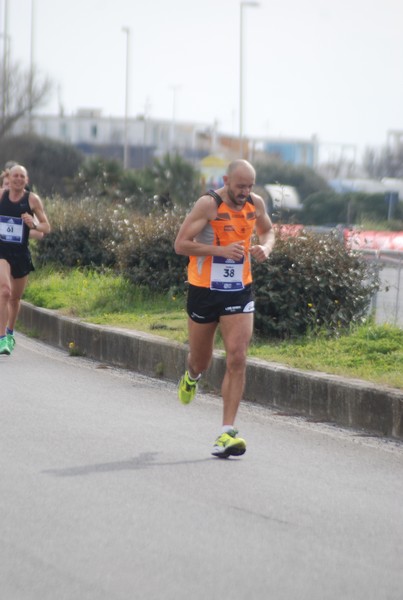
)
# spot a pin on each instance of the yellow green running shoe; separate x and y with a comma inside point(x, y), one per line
point(4, 347)
point(187, 388)
point(227, 444)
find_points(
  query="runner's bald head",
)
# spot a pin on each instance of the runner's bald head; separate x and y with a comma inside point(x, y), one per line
point(240, 165)
point(19, 168)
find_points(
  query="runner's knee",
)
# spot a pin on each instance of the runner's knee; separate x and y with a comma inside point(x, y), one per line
point(5, 291)
point(14, 300)
point(236, 359)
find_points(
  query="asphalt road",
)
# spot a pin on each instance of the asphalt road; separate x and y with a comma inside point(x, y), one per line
point(108, 492)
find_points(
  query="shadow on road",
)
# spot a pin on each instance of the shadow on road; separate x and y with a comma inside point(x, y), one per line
point(142, 461)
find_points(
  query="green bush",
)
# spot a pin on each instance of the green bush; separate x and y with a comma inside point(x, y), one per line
point(84, 234)
point(311, 283)
point(146, 256)
point(98, 234)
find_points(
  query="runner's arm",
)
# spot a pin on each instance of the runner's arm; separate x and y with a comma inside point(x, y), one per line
point(36, 206)
point(203, 211)
point(264, 230)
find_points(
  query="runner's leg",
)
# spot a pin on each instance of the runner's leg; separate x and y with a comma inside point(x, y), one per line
point(5, 294)
point(17, 290)
point(236, 331)
point(201, 344)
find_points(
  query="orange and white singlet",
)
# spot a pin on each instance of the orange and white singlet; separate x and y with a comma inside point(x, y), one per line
point(216, 272)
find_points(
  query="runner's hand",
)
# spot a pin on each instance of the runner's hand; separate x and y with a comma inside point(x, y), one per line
point(235, 251)
point(260, 253)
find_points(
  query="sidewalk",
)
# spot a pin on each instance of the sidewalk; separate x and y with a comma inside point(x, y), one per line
point(345, 402)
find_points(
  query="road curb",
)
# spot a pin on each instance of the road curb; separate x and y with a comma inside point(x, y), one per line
point(346, 402)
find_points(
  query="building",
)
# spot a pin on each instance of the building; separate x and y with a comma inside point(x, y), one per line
point(147, 138)
point(294, 151)
point(94, 133)
point(386, 186)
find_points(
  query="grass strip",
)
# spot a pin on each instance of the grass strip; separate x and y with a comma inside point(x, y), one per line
point(370, 352)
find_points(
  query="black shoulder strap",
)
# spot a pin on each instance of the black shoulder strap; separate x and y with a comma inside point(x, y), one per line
point(25, 201)
point(216, 197)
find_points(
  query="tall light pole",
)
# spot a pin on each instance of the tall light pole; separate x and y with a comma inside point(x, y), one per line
point(172, 141)
point(243, 5)
point(32, 62)
point(5, 66)
point(126, 30)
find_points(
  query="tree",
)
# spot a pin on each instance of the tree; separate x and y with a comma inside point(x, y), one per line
point(22, 91)
point(384, 163)
point(170, 181)
point(50, 164)
point(304, 179)
point(352, 208)
point(174, 180)
point(325, 208)
point(98, 177)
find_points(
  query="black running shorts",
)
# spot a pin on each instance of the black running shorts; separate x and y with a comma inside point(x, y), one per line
point(207, 306)
point(20, 261)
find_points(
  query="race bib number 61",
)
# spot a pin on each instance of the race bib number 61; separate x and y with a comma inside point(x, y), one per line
point(11, 229)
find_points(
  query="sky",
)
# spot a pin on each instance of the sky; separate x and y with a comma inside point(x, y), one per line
point(311, 67)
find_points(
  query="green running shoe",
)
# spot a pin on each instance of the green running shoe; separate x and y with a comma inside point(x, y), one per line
point(227, 444)
point(11, 341)
point(4, 347)
point(187, 388)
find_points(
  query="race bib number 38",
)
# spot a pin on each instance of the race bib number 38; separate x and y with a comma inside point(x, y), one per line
point(11, 229)
point(226, 274)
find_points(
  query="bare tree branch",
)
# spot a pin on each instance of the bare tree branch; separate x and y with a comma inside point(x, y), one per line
point(22, 92)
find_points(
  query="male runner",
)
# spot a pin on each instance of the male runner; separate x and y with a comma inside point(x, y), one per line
point(217, 236)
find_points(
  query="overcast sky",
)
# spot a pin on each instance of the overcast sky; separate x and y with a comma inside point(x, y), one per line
point(330, 68)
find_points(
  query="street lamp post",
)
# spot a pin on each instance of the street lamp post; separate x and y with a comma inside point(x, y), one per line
point(126, 30)
point(172, 140)
point(241, 74)
point(31, 69)
point(5, 74)
point(6, 53)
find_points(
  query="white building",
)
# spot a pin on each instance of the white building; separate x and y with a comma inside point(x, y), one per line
point(89, 130)
point(93, 133)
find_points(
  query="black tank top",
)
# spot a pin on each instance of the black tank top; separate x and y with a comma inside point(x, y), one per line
point(15, 209)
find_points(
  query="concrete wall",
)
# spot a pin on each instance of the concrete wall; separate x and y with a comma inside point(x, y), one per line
point(345, 402)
